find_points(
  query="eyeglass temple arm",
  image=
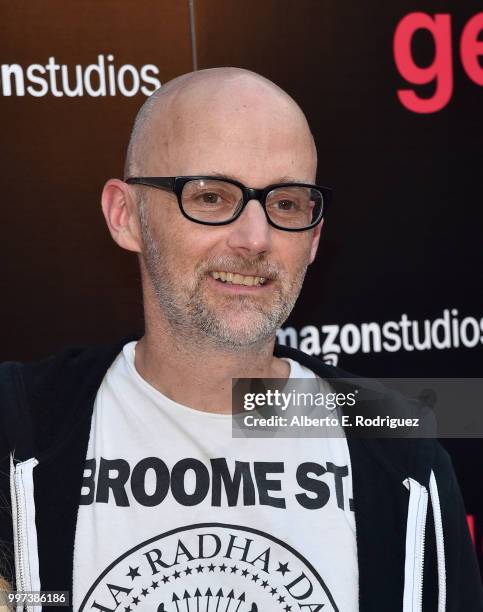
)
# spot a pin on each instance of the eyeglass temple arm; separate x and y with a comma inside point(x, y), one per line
point(153, 181)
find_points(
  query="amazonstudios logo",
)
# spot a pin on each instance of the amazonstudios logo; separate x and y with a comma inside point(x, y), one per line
point(100, 79)
point(450, 330)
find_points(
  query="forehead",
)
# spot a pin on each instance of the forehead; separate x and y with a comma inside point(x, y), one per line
point(247, 156)
point(249, 138)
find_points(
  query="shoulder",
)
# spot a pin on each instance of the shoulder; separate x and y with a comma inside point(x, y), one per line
point(43, 396)
point(444, 472)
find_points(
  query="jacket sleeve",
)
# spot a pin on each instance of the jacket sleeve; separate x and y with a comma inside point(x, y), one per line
point(463, 582)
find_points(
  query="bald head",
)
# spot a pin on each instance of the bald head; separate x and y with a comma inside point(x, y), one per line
point(231, 123)
point(227, 108)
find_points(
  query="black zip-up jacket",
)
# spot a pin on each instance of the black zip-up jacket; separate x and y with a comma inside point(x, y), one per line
point(413, 544)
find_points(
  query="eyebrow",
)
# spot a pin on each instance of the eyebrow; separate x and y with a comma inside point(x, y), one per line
point(282, 179)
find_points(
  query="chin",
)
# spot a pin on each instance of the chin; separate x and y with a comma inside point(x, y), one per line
point(248, 334)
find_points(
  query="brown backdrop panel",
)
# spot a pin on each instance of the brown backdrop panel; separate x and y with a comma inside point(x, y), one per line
point(63, 280)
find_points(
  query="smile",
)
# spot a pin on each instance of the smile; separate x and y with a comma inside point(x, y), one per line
point(238, 279)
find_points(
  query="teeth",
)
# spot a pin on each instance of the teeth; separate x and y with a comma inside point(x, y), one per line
point(239, 279)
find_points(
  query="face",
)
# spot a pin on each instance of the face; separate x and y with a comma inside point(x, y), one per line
point(183, 259)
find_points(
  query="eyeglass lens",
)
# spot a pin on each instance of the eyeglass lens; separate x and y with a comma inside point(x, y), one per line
point(216, 201)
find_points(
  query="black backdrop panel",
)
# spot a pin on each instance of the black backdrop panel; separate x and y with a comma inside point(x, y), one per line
point(393, 92)
point(402, 244)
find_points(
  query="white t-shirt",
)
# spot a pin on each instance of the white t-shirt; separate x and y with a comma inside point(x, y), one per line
point(176, 515)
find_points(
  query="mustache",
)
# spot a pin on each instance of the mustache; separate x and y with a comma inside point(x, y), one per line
point(241, 265)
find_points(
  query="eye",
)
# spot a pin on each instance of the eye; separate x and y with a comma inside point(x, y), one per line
point(285, 205)
point(210, 197)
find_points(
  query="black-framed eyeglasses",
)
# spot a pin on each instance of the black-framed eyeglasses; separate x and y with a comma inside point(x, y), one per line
point(293, 207)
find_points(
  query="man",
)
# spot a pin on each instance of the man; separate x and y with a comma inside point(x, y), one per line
point(127, 486)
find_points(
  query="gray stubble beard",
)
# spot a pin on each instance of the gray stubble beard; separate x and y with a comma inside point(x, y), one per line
point(194, 314)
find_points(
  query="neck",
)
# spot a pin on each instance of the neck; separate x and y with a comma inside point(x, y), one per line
point(199, 373)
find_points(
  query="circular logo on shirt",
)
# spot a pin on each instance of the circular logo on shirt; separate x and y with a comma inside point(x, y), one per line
point(210, 567)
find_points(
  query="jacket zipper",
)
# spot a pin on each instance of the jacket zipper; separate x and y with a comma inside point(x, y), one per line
point(25, 534)
point(415, 535)
point(438, 529)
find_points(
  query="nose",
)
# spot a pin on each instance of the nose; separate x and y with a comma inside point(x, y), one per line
point(251, 232)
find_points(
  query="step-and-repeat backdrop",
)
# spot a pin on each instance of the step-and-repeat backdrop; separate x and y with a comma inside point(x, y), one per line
point(393, 92)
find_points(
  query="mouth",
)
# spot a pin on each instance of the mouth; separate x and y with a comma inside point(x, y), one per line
point(234, 278)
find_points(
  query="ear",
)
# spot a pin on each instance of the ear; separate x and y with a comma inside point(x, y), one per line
point(121, 215)
point(315, 241)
